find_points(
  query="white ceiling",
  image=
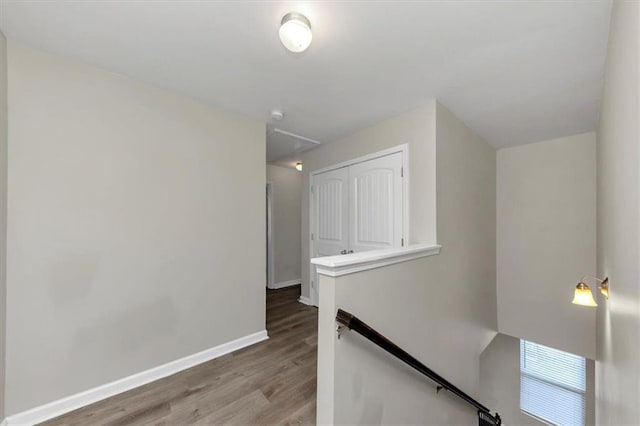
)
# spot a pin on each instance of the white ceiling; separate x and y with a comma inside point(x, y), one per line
point(516, 72)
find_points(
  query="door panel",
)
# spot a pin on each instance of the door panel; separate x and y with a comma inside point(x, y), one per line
point(330, 219)
point(331, 227)
point(376, 203)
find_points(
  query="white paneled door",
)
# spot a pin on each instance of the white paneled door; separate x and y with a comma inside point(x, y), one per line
point(375, 201)
point(331, 205)
point(330, 218)
point(356, 208)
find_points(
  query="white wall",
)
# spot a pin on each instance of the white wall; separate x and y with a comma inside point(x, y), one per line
point(417, 128)
point(441, 309)
point(618, 146)
point(135, 227)
point(500, 382)
point(3, 211)
point(546, 236)
point(287, 215)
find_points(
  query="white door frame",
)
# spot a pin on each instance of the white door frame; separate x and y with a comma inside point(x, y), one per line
point(404, 149)
point(269, 228)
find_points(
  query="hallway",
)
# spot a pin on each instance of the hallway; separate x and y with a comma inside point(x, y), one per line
point(272, 382)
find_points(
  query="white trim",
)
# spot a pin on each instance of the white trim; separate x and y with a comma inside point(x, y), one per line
point(305, 301)
point(399, 148)
point(82, 399)
point(3, 422)
point(270, 257)
point(335, 266)
point(404, 149)
point(405, 195)
point(284, 284)
point(312, 269)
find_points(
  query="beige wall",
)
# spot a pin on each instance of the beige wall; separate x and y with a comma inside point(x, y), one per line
point(416, 128)
point(500, 382)
point(618, 146)
point(286, 210)
point(3, 211)
point(441, 309)
point(135, 238)
point(546, 236)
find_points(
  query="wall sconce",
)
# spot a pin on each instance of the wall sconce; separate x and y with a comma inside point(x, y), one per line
point(299, 166)
point(583, 295)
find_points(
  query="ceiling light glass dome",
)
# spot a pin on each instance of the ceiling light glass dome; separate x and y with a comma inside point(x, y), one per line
point(295, 32)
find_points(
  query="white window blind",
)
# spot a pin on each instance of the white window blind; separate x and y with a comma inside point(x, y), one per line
point(552, 384)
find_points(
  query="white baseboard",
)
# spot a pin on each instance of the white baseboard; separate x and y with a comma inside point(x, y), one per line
point(284, 284)
point(79, 400)
point(305, 300)
point(3, 422)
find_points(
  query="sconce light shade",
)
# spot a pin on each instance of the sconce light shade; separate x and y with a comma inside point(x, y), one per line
point(583, 296)
point(299, 166)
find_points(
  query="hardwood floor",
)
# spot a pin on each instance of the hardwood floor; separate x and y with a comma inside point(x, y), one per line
point(272, 382)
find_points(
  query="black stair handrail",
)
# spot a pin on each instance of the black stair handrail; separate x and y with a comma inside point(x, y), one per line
point(347, 320)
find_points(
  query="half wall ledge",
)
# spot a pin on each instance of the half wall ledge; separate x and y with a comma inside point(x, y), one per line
point(336, 266)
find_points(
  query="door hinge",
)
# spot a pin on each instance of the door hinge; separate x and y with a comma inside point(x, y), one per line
point(312, 189)
point(401, 171)
point(402, 242)
point(312, 284)
point(312, 236)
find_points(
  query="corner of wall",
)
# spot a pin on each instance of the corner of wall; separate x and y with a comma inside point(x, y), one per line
point(618, 222)
point(461, 152)
point(3, 213)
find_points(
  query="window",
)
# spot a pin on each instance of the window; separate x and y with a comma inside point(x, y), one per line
point(552, 384)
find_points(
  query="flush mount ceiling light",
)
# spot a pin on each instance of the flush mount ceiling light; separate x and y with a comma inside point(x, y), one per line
point(295, 32)
point(299, 166)
point(583, 295)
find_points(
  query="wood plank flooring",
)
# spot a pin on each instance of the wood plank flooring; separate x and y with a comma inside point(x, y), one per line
point(272, 382)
